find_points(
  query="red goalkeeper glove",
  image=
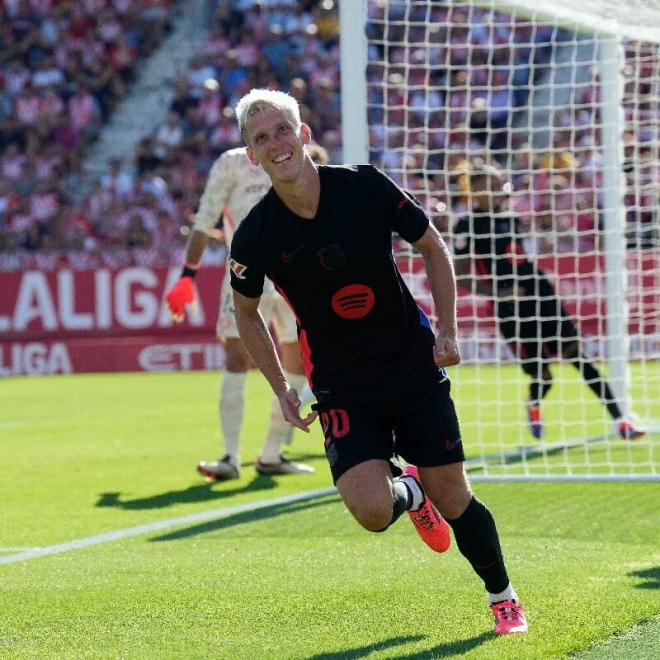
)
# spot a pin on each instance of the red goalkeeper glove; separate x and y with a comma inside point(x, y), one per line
point(180, 295)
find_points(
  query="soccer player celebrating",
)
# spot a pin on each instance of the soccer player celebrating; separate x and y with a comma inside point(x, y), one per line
point(323, 236)
point(233, 187)
point(490, 259)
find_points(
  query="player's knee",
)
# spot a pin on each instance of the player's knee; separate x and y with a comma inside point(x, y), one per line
point(451, 496)
point(452, 502)
point(236, 357)
point(540, 374)
point(545, 378)
point(528, 366)
point(532, 368)
point(453, 506)
point(372, 516)
point(236, 364)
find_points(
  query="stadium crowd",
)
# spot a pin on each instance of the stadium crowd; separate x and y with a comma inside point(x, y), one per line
point(64, 66)
point(478, 68)
point(139, 208)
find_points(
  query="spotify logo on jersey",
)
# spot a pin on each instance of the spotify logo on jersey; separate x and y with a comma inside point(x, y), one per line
point(353, 301)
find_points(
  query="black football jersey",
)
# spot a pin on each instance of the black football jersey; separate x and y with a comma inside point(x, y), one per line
point(496, 247)
point(362, 335)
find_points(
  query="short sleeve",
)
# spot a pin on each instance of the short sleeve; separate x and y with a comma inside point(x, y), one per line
point(247, 273)
point(408, 219)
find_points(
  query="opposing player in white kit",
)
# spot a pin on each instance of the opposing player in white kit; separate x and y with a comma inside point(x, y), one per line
point(233, 187)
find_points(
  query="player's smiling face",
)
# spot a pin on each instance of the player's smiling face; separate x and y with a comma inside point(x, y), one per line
point(276, 144)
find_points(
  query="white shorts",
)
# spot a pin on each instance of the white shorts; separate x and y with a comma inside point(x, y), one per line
point(272, 307)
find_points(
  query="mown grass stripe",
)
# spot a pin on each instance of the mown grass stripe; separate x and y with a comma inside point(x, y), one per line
point(640, 642)
point(202, 516)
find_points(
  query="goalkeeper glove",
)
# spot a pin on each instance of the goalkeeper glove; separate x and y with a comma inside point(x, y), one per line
point(180, 295)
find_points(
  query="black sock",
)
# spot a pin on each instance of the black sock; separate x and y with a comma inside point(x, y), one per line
point(477, 539)
point(402, 501)
point(597, 385)
point(538, 390)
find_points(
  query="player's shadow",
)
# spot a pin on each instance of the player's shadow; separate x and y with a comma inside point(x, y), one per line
point(198, 493)
point(651, 577)
point(450, 649)
point(364, 651)
point(440, 651)
point(264, 513)
point(306, 456)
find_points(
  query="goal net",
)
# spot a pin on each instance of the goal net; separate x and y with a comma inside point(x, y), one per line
point(561, 107)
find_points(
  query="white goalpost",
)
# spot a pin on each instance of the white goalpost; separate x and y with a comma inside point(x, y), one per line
point(563, 98)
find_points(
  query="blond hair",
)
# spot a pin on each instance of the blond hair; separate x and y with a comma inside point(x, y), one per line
point(262, 100)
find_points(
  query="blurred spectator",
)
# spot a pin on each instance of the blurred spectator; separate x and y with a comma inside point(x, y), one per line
point(470, 69)
point(123, 58)
point(63, 67)
point(85, 116)
point(118, 180)
point(12, 162)
point(210, 103)
point(432, 109)
point(146, 158)
point(140, 206)
point(169, 135)
point(198, 73)
point(48, 73)
point(138, 235)
point(183, 99)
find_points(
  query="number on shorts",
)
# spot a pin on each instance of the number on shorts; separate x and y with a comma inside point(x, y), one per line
point(335, 423)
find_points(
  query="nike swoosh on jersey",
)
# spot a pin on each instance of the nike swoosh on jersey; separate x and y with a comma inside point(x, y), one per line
point(288, 257)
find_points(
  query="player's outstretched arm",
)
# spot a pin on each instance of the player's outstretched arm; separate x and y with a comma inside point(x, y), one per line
point(441, 278)
point(182, 292)
point(259, 344)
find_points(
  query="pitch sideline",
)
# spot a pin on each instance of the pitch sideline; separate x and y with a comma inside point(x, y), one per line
point(127, 532)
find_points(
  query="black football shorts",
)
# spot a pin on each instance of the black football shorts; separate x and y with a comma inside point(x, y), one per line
point(422, 429)
point(537, 327)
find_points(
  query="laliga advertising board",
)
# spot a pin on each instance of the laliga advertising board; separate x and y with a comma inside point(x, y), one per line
point(99, 320)
point(72, 321)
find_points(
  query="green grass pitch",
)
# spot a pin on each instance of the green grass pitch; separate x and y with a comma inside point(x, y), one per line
point(87, 455)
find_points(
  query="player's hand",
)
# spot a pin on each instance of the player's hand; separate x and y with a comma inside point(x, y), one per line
point(445, 351)
point(180, 295)
point(290, 404)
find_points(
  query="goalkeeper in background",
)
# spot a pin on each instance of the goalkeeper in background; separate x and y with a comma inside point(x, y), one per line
point(233, 187)
point(489, 259)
